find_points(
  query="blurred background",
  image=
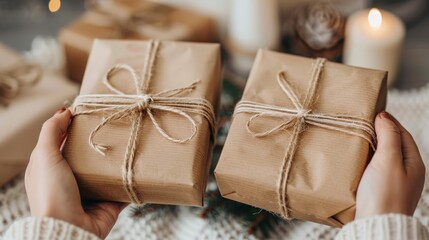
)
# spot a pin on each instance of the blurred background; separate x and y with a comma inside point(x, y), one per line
point(22, 20)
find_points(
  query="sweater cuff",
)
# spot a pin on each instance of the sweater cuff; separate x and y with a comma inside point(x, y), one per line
point(388, 226)
point(45, 228)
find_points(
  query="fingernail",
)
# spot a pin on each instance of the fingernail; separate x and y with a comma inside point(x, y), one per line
point(61, 110)
point(385, 115)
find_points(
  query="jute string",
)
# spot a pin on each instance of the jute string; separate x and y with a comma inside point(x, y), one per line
point(296, 119)
point(122, 105)
point(14, 79)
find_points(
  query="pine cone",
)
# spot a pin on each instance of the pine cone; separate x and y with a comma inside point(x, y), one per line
point(319, 25)
point(318, 30)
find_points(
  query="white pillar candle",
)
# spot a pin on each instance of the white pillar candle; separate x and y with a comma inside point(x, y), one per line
point(253, 24)
point(373, 39)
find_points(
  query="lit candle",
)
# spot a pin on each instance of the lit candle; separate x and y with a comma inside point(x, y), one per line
point(373, 39)
point(54, 5)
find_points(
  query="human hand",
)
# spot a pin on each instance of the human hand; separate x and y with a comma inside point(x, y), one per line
point(52, 188)
point(394, 179)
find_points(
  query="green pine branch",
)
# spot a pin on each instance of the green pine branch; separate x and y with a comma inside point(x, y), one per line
point(253, 219)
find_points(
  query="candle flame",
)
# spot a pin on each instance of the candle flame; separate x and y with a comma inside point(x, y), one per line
point(374, 18)
point(54, 5)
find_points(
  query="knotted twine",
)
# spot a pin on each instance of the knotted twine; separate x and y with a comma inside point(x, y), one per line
point(14, 79)
point(121, 105)
point(296, 119)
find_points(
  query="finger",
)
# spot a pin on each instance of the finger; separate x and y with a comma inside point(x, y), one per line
point(122, 206)
point(71, 110)
point(409, 146)
point(54, 131)
point(388, 139)
point(90, 205)
point(105, 215)
point(410, 151)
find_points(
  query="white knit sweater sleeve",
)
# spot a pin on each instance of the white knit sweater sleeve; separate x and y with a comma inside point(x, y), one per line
point(45, 228)
point(388, 226)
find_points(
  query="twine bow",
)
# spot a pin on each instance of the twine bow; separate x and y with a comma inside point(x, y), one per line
point(296, 119)
point(13, 80)
point(122, 105)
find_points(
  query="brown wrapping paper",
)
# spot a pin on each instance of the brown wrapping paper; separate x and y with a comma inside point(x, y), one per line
point(164, 172)
point(22, 118)
point(131, 19)
point(327, 165)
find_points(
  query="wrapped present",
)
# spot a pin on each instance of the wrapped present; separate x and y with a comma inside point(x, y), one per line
point(301, 137)
point(144, 123)
point(131, 19)
point(28, 97)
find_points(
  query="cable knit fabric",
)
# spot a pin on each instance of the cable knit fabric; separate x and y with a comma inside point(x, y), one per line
point(383, 227)
point(33, 228)
point(389, 226)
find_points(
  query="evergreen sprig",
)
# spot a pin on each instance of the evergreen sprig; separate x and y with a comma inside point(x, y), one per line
point(153, 210)
point(254, 219)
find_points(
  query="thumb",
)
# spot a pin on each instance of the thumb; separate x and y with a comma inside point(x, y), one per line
point(104, 215)
point(54, 131)
point(388, 139)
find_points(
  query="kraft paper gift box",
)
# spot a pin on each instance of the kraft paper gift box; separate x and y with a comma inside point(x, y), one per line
point(23, 116)
point(301, 137)
point(171, 155)
point(131, 19)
